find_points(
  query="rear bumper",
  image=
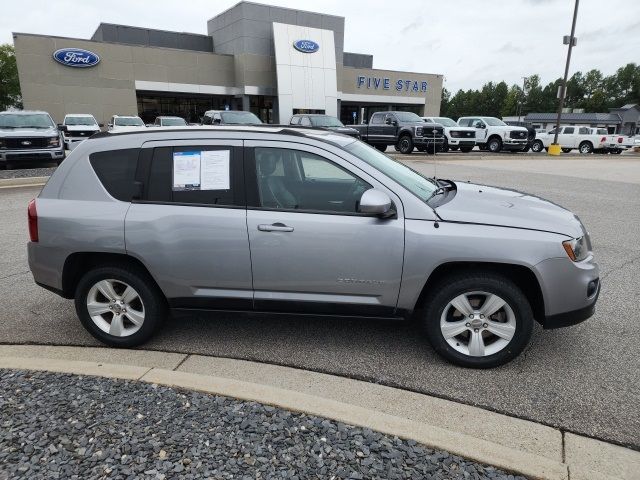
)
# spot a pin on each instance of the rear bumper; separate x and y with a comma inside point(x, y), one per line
point(36, 154)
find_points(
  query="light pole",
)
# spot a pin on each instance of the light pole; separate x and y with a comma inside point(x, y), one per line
point(524, 92)
point(554, 148)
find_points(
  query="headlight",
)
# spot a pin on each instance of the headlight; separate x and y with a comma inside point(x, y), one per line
point(454, 133)
point(2, 144)
point(54, 142)
point(418, 131)
point(577, 248)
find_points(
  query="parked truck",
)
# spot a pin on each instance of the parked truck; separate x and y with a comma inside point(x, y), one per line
point(584, 139)
point(454, 136)
point(494, 135)
point(405, 130)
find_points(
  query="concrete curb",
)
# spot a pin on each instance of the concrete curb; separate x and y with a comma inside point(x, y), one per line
point(23, 182)
point(549, 453)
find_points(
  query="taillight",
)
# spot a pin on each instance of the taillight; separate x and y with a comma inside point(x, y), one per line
point(619, 139)
point(603, 139)
point(33, 220)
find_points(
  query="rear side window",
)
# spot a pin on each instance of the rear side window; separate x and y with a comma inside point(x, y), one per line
point(215, 185)
point(116, 170)
point(295, 120)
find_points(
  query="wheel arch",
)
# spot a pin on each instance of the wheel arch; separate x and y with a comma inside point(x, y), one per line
point(79, 263)
point(521, 275)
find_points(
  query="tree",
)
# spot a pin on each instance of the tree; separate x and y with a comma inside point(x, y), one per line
point(444, 102)
point(9, 84)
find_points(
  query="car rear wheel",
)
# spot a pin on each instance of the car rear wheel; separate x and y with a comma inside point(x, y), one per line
point(382, 148)
point(494, 145)
point(478, 321)
point(120, 306)
point(585, 147)
point(466, 149)
point(405, 144)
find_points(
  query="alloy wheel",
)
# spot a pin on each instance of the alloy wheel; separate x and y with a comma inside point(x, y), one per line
point(115, 307)
point(478, 323)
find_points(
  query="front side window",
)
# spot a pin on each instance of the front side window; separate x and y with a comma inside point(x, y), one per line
point(295, 120)
point(35, 120)
point(198, 175)
point(569, 130)
point(298, 180)
point(494, 122)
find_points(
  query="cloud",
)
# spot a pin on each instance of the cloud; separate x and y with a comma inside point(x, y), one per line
point(417, 23)
point(509, 48)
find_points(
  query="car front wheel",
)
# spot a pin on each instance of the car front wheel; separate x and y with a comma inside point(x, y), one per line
point(119, 305)
point(494, 145)
point(478, 321)
point(537, 146)
point(405, 144)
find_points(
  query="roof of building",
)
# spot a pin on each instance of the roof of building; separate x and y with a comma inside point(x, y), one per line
point(610, 118)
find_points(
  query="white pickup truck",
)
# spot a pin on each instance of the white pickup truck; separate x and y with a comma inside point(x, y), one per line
point(77, 127)
point(585, 139)
point(455, 136)
point(494, 135)
point(616, 143)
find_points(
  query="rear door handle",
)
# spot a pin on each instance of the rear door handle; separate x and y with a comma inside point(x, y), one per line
point(275, 227)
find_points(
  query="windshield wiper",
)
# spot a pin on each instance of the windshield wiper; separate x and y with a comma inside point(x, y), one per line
point(33, 126)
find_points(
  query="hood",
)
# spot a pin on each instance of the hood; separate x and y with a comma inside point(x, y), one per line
point(509, 208)
point(29, 132)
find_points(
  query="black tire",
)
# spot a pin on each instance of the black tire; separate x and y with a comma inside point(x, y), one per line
point(382, 148)
point(616, 152)
point(405, 144)
point(526, 149)
point(445, 146)
point(452, 286)
point(537, 146)
point(483, 147)
point(466, 149)
point(494, 145)
point(153, 301)
point(585, 148)
point(454, 149)
point(566, 150)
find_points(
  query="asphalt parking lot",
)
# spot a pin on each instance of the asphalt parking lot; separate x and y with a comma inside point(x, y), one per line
point(583, 379)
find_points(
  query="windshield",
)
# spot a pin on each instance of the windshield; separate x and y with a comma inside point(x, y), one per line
point(407, 117)
point(34, 120)
point(420, 186)
point(445, 122)
point(326, 122)
point(129, 122)
point(241, 118)
point(173, 122)
point(494, 122)
point(79, 121)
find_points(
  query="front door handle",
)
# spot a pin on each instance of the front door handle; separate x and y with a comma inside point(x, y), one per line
point(275, 227)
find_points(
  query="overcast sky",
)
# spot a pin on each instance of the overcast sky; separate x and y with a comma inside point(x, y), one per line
point(468, 41)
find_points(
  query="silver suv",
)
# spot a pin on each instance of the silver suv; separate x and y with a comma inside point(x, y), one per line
point(136, 225)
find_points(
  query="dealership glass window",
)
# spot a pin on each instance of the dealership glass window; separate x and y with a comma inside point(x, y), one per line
point(160, 183)
point(261, 107)
point(189, 107)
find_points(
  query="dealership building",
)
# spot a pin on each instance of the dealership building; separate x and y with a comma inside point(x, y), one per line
point(273, 61)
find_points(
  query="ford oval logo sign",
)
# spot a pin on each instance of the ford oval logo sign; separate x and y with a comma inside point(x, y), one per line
point(306, 46)
point(76, 57)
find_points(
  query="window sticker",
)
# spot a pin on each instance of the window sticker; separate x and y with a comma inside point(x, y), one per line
point(214, 170)
point(186, 171)
point(201, 170)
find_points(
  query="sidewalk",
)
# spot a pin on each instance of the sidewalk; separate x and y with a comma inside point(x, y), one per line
point(510, 444)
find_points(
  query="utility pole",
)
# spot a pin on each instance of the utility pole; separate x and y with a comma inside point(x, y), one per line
point(554, 148)
point(524, 88)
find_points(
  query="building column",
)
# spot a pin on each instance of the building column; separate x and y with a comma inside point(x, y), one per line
point(246, 104)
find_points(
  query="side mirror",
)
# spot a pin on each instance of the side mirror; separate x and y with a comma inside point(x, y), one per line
point(376, 202)
point(388, 121)
point(101, 125)
point(62, 128)
point(110, 125)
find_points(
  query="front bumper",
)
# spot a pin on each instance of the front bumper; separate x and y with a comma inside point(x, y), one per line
point(570, 290)
point(43, 154)
point(513, 144)
point(419, 141)
point(461, 142)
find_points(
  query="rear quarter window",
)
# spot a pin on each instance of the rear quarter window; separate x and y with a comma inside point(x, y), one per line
point(116, 170)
